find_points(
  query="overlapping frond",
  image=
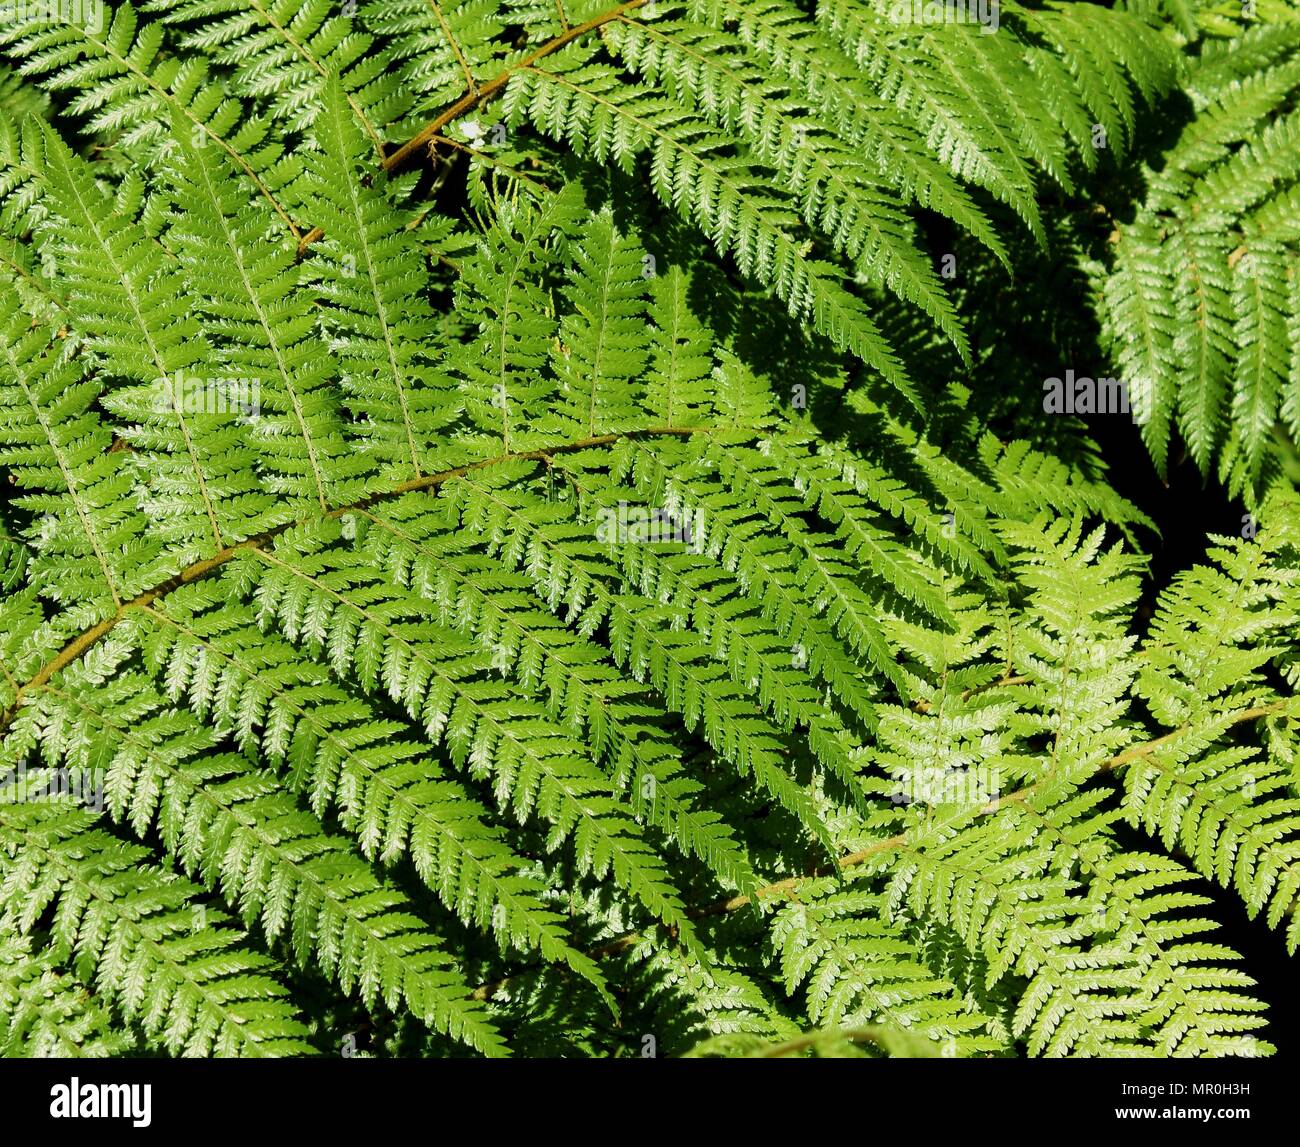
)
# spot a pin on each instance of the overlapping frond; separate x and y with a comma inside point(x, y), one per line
point(48, 1013)
point(512, 534)
point(1198, 299)
point(143, 937)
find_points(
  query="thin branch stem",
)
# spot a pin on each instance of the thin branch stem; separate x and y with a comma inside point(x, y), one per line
point(200, 569)
point(484, 92)
point(853, 859)
point(454, 44)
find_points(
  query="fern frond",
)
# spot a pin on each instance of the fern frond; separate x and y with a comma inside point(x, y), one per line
point(857, 969)
point(142, 937)
point(1228, 805)
point(741, 211)
point(248, 290)
point(334, 602)
point(544, 512)
point(1197, 299)
point(372, 271)
point(55, 446)
point(236, 828)
point(344, 756)
point(285, 52)
point(132, 89)
point(47, 1013)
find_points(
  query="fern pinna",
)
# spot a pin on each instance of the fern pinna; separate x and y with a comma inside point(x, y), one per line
point(510, 544)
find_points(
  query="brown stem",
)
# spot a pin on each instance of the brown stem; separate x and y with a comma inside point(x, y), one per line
point(83, 641)
point(308, 239)
point(475, 96)
point(1002, 682)
point(853, 859)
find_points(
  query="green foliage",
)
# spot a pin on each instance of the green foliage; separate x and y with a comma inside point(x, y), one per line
point(514, 534)
point(1198, 295)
